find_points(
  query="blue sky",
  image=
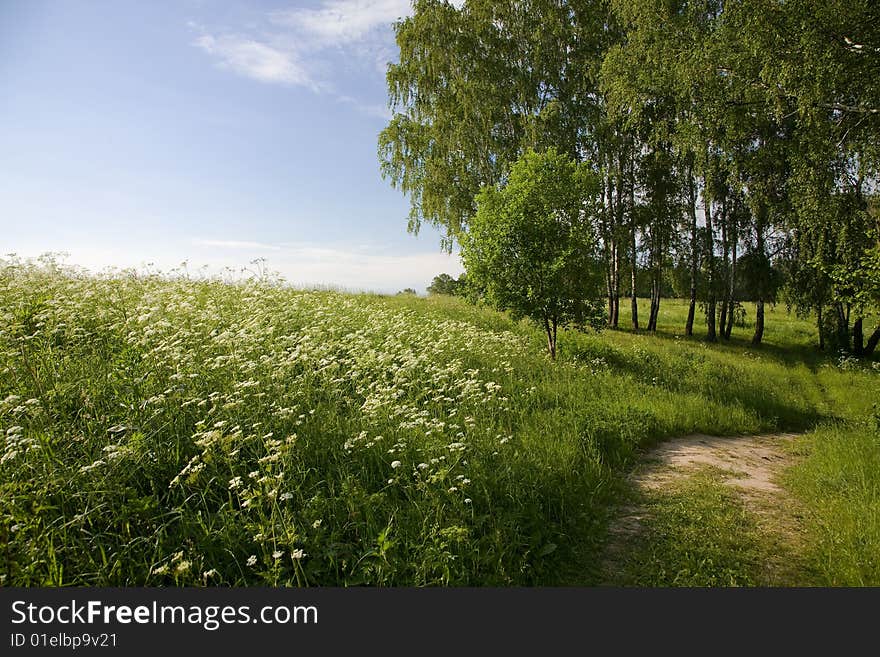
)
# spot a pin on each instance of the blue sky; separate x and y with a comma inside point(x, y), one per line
point(209, 131)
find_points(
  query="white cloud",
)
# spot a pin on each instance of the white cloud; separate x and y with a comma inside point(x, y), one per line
point(256, 60)
point(337, 22)
point(291, 46)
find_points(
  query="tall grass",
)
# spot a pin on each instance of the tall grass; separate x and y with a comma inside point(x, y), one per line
point(838, 482)
point(697, 533)
point(161, 431)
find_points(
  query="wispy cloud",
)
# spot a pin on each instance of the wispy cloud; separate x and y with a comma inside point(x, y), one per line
point(338, 22)
point(297, 46)
point(256, 60)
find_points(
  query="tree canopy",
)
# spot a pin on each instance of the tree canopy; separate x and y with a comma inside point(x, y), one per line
point(448, 285)
point(723, 135)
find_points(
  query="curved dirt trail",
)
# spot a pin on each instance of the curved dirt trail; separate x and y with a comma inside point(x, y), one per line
point(749, 466)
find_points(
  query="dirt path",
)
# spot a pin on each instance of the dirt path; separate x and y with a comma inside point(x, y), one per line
point(753, 462)
point(749, 466)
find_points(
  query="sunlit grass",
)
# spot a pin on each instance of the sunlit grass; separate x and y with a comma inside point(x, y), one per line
point(839, 483)
point(161, 431)
point(696, 533)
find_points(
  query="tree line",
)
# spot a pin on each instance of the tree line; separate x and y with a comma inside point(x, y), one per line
point(734, 143)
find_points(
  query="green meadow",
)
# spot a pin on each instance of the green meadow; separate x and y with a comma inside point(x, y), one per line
point(170, 431)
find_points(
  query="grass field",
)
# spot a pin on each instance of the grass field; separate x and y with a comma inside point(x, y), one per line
point(194, 432)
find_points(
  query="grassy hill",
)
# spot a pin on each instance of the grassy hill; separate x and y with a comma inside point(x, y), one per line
point(194, 432)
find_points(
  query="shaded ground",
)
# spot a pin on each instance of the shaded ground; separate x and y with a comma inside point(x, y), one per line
point(707, 510)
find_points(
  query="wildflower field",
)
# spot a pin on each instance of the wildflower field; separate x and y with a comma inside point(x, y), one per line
point(166, 431)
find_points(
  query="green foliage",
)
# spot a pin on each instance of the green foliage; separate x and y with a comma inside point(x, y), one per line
point(757, 277)
point(532, 249)
point(475, 87)
point(766, 114)
point(869, 287)
point(446, 284)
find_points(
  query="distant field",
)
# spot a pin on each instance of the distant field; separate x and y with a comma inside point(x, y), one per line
point(201, 433)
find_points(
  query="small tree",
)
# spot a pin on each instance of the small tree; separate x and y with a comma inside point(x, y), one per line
point(531, 247)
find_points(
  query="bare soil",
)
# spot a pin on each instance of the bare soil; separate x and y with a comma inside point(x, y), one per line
point(753, 462)
point(748, 465)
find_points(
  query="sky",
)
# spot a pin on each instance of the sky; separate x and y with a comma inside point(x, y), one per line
point(208, 131)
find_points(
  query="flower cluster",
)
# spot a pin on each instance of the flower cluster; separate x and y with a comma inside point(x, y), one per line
point(252, 406)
